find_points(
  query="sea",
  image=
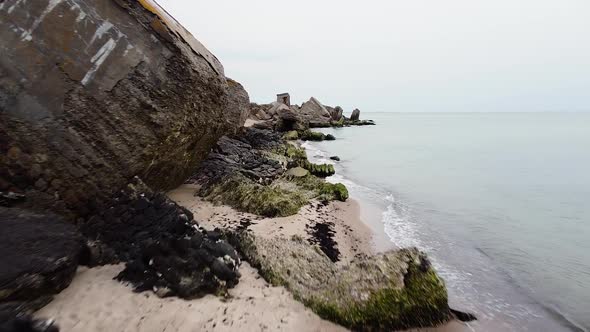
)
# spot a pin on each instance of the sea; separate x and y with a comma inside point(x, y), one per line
point(499, 201)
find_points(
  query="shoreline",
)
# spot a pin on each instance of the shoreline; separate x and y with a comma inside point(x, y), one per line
point(94, 301)
point(252, 305)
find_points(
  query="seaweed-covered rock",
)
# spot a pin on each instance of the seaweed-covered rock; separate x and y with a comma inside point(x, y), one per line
point(291, 135)
point(246, 195)
point(320, 170)
point(242, 154)
point(359, 123)
point(395, 290)
point(322, 190)
point(332, 191)
point(39, 254)
point(162, 246)
point(248, 173)
point(309, 135)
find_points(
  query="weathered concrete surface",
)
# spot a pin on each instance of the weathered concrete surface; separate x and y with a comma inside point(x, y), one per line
point(314, 112)
point(238, 105)
point(355, 115)
point(391, 291)
point(93, 93)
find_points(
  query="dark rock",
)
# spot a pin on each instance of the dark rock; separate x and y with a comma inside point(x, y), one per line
point(39, 254)
point(330, 137)
point(162, 246)
point(335, 158)
point(26, 323)
point(242, 154)
point(463, 316)
point(322, 234)
point(359, 123)
point(309, 135)
point(83, 112)
point(355, 115)
point(290, 120)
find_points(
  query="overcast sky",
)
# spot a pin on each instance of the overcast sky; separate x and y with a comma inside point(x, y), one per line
point(411, 55)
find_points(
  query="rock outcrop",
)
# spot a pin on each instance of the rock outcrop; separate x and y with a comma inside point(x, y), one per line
point(395, 290)
point(164, 249)
point(96, 92)
point(312, 114)
point(39, 254)
point(252, 172)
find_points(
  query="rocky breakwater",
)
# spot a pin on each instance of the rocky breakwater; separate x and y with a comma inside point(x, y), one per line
point(257, 171)
point(311, 114)
point(92, 95)
point(260, 172)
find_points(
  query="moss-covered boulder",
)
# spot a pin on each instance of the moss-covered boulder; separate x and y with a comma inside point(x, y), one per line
point(293, 152)
point(321, 170)
point(291, 135)
point(320, 189)
point(334, 191)
point(273, 180)
point(395, 290)
point(247, 195)
point(309, 135)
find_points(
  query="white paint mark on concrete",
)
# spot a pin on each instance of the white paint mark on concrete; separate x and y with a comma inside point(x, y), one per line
point(102, 29)
point(81, 16)
point(27, 35)
point(13, 7)
point(81, 13)
point(98, 59)
point(127, 49)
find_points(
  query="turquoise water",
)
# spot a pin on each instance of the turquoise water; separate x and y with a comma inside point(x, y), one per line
point(501, 201)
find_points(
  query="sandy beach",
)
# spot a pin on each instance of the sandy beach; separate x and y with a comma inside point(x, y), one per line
point(96, 302)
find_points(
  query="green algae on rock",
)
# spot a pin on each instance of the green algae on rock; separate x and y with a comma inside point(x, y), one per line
point(291, 135)
point(394, 290)
point(259, 172)
point(309, 135)
point(320, 170)
point(246, 195)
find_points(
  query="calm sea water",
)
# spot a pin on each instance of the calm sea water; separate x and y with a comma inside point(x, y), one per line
point(500, 201)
